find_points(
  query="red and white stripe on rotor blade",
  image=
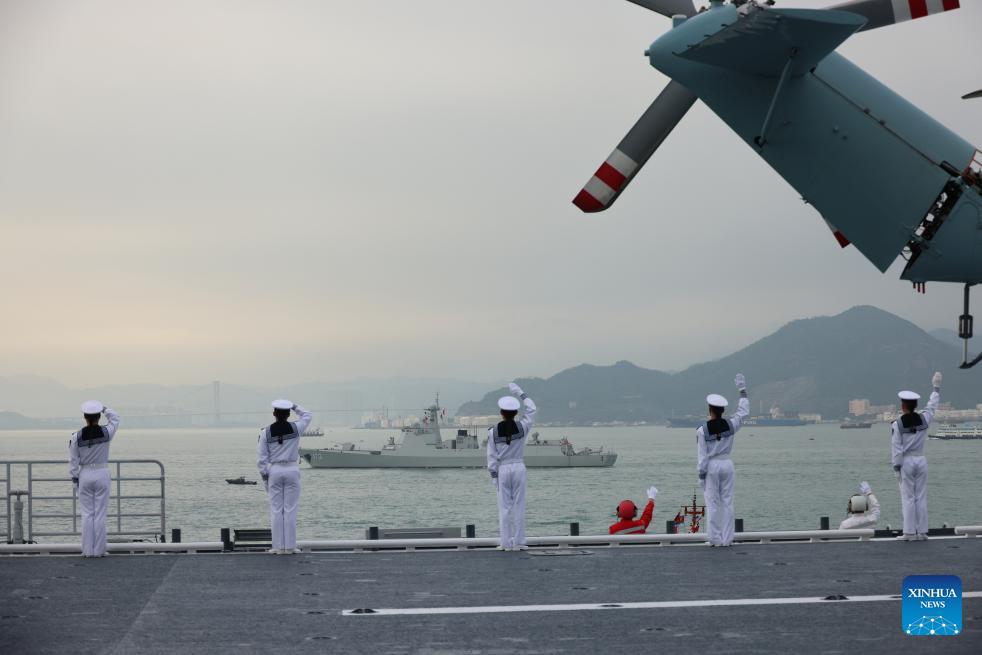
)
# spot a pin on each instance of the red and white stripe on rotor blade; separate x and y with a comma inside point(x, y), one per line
point(839, 236)
point(606, 183)
point(911, 9)
point(880, 13)
point(637, 146)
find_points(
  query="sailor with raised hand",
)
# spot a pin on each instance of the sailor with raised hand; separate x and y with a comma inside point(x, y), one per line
point(714, 442)
point(627, 510)
point(863, 508)
point(506, 450)
point(278, 461)
point(88, 464)
point(909, 434)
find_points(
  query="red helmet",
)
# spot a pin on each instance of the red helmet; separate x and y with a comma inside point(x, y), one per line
point(627, 510)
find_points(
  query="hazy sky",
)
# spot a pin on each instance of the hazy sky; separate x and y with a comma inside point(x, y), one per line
point(281, 190)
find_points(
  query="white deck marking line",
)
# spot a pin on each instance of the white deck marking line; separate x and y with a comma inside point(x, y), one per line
point(504, 609)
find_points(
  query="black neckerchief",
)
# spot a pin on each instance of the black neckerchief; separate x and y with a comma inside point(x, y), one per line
point(90, 433)
point(280, 429)
point(911, 421)
point(507, 429)
point(717, 426)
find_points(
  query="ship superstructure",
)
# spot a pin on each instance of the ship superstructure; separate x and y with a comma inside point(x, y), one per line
point(423, 446)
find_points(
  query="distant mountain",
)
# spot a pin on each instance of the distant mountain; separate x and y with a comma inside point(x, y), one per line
point(154, 405)
point(15, 421)
point(809, 365)
point(945, 335)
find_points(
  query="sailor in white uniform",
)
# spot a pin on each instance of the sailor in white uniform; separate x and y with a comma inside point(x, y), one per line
point(278, 461)
point(863, 508)
point(88, 464)
point(907, 449)
point(506, 450)
point(714, 442)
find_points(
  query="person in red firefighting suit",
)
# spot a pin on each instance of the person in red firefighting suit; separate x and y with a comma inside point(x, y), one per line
point(627, 510)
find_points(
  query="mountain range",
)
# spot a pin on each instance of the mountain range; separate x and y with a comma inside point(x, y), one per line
point(51, 404)
point(813, 365)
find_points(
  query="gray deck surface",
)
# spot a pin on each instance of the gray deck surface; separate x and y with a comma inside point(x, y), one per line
point(264, 603)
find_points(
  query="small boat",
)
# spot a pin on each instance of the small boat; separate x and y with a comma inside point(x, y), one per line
point(240, 480)
point(312, 432)
point(950, 431)
point(855, 425)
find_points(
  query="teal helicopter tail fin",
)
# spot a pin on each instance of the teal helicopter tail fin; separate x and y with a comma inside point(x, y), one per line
point(764, 41)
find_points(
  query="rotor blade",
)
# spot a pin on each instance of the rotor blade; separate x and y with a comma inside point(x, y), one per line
point(635, 149)
point(668, 7)
point(973, 94)
point(880, 13)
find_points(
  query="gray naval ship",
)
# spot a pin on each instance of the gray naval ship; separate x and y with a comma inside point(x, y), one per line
point(423, 446)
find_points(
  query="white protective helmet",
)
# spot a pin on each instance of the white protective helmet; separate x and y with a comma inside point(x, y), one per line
point(858, 504)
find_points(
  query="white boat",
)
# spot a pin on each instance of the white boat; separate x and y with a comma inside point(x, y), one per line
point(951, 431)
point(423, 446)
point(312, 432)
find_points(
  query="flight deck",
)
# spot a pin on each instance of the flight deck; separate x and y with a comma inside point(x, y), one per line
point(761, 598)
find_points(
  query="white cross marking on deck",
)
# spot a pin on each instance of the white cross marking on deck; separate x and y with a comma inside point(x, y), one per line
point(669, 604)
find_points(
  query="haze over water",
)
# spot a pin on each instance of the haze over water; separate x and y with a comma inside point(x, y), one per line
point(786, 479)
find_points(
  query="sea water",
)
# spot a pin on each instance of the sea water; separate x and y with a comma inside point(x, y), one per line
point(786, 478)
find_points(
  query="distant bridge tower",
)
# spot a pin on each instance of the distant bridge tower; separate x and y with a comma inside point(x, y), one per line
point(217, 387)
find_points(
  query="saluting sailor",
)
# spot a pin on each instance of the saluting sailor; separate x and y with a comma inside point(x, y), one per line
point(506, 450)
point(907, 446)
point(88, 464)
point(714, 442)
point(278, 460)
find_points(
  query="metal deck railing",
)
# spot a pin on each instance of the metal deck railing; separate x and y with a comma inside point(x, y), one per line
point(42, 507)
point(486, 543)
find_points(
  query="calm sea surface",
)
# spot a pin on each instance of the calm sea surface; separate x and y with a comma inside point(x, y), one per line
point(785, 479)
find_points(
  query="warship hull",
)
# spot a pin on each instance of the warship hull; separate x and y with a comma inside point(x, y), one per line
point(444, 458)
point(753, 421)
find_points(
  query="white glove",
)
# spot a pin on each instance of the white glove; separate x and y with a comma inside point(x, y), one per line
point(740, 382)
point(515, 389)
point(936, 380)
point(865, 489)
point(652, 492)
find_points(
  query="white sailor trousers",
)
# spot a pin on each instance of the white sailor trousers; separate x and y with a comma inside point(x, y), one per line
point(913, 494)
point(93, 498)
point(284, 495)
point(719, 500)
point(511, 504)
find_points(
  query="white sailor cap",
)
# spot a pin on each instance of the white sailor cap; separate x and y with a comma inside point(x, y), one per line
point(282, 403)
point(509, 403)
point(92, 407)
point(908, 395)
point(716, 400)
